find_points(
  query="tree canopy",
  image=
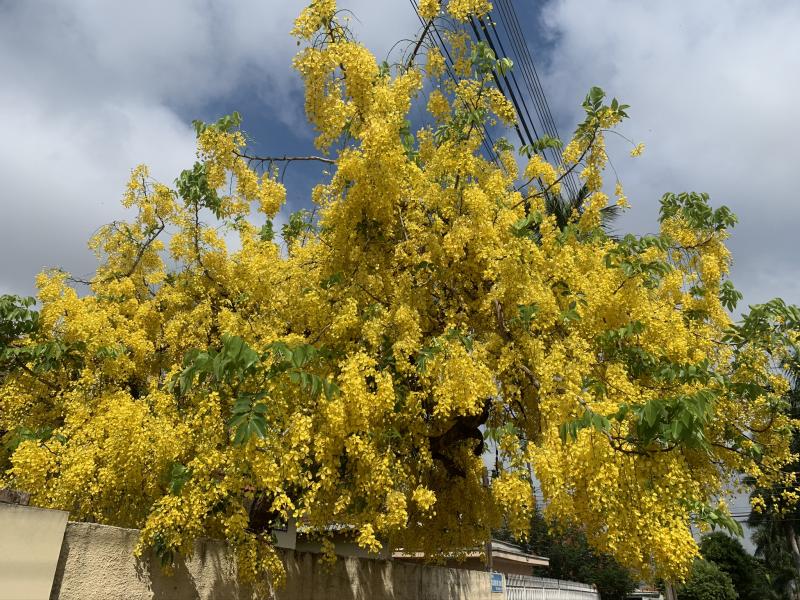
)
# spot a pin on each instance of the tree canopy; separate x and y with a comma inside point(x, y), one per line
point(751, 578)
point(351, 374)
point(707, 582)
point(572, 559)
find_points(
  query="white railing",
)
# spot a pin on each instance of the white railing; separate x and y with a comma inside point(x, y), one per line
point(525, 587)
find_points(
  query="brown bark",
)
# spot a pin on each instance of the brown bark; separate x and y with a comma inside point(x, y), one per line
point(669, 592)
point(794, 550)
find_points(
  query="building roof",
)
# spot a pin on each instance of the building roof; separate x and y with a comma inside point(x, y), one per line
point(500, 550)
point(514, 553)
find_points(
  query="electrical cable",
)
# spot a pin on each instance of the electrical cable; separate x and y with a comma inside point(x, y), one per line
point(556, 156)
point(500, 87)
point(449, 64)
point(531, 79)
point(511, 91)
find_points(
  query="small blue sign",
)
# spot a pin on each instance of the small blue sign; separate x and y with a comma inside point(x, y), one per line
point(497, 583)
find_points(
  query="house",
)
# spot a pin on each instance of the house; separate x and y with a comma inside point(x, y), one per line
point(500, 557)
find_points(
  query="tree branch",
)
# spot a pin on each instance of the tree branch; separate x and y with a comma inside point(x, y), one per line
point(145, 244)
point(271, 159)
point(559, 179)
point(414, 52)
point(35, 375)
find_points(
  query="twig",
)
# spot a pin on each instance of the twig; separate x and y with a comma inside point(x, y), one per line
point(402, 224)
point(154, 233)
point(35, 375)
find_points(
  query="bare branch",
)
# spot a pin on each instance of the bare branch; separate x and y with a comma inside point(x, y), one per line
point(271, 159)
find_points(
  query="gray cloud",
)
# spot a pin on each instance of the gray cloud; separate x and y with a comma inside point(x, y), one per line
point(91, 89)
point(713, 89)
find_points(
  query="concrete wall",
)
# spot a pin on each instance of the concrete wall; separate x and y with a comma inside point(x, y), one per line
point(359, 578)
point(30, 540)
point(97, 563)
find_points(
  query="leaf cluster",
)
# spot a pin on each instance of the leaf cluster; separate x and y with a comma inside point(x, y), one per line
point(627, 256)
point(707, 582)
point(748, 575)
point(236, 364)
point(696, 210)
point(594, 108)
point(193, 187)
point(540, 145)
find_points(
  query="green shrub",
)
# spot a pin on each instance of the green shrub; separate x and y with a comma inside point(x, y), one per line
point(707, 582)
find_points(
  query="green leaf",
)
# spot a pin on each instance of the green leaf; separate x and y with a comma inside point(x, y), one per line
point(267, 232)
point(622, 412)
point(242, 405)
point(300, 356)
point(179, 476)
point(527, 312)
point(332, 280)
point(259, 425)
point(331, 389)
point(316, 385)
point(504, 65)
point(652, 412)
point(193, 187)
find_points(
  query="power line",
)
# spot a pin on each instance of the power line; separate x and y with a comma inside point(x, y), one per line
point(513, 76)
point(528, 76)
point(556, 155)
point(449, 65)
point(517, 39)
point(531, 79)
point(510, 95)
point(521, 120)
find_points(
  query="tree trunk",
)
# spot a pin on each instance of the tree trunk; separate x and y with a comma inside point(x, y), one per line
point(669, 592)
point(794, 550)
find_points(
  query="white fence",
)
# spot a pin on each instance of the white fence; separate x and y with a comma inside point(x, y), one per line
point(524, 587)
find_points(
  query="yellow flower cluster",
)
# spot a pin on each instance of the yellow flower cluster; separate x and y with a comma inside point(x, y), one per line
point(502, 106)
point(539, 168)
point(462, 9)
point(429, 9)
point(435, 66)
point(438, 105)
point(622, 199)
point(317, 14)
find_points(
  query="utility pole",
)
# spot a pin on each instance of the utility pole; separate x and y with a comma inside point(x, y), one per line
point(489, 564)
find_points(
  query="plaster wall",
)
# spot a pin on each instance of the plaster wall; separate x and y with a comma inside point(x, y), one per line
point(97, 562)
point(30, 541)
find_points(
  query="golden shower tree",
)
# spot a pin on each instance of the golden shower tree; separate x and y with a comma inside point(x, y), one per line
point(430, 302)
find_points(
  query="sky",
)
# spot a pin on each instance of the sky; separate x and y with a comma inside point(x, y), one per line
point(90, 89)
